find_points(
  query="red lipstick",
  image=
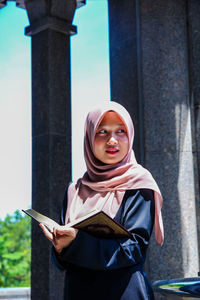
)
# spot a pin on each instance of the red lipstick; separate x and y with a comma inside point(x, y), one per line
point(112, 150)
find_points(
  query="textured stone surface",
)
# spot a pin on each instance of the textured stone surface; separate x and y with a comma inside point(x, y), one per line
point(163, 110)
point(51, 150)
point(168, 134)
point(194, 47)
point(123, 60)
point(194, 62)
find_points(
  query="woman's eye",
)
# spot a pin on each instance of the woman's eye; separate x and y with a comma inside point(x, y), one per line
point(121, 131)
point(102, 131)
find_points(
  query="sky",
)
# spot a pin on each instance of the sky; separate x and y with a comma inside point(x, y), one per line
point(90, 86)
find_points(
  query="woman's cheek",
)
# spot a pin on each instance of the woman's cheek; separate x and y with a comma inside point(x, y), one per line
point(98, 146)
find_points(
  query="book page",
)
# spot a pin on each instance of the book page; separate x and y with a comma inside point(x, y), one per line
point(49, 223)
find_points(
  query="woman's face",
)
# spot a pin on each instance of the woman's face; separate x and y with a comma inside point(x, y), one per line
point(111, 139)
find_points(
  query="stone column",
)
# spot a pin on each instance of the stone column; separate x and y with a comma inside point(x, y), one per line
point(149, 76)
point(168, 134)
point(194, 63)
point(125, 74)
point(50, 29)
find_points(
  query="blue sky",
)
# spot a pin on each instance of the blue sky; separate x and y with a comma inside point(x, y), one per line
point(90, 85)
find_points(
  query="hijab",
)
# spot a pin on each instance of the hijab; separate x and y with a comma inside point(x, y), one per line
point(103, 185)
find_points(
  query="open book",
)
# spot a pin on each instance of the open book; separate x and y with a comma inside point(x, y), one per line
point(96, 223)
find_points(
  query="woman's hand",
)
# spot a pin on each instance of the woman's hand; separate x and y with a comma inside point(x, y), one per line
point(61, 237)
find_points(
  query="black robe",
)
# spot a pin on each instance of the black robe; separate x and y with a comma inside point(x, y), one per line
point(111, 269)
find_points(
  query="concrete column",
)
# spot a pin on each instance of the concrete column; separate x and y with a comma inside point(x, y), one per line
point(149, 76)
point(50, 29)
point(168, 134)
point(124, 60)
point(194, 63)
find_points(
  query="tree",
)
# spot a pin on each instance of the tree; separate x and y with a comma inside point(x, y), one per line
point(15, 250)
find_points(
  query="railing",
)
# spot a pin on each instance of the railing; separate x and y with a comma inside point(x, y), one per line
point(17, 293)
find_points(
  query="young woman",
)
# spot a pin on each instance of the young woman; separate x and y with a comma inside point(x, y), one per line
point(108, 269)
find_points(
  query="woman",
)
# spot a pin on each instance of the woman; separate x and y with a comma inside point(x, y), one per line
point(108, 269)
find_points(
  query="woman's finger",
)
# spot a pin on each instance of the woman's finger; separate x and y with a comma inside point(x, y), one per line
point(64, 231)
point(54, 232)
point(46, 232)
point(70, 232)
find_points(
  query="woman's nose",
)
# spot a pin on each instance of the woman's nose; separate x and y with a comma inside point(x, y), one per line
point(112, 141)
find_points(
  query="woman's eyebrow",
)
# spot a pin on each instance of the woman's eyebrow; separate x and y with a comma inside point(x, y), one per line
point(103, 125)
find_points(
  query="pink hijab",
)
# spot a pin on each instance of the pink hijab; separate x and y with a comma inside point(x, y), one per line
point(103, 186)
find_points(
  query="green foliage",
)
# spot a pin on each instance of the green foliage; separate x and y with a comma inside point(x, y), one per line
point(15, 250)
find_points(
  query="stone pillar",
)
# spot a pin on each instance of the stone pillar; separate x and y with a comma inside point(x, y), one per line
point(124, 58)
point(194, 63)
point(50, 29)
point(168, 134)
point(149, 76)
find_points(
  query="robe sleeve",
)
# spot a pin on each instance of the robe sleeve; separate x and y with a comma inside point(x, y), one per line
point(87, 251)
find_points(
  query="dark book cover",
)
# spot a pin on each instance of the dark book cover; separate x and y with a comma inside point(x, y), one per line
point(96, 223)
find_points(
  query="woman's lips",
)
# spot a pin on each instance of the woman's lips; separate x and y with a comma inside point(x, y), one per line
point(112, 151)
